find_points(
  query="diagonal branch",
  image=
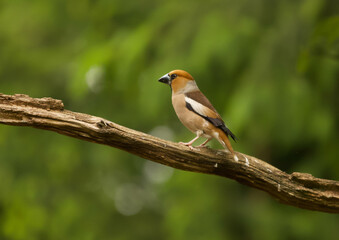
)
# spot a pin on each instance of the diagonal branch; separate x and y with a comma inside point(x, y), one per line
point(297, 189)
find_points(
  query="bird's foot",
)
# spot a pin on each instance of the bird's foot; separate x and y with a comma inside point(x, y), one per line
point(188, 145)
point(202, 146)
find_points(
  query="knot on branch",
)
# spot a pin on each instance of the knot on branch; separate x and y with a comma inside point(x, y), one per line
point(308, 181)
point(25, 100)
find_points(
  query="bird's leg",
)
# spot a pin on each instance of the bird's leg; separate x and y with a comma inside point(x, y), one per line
point(204, 143)
point(189, 144)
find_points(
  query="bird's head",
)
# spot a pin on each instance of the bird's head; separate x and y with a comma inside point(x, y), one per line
point(179, 80)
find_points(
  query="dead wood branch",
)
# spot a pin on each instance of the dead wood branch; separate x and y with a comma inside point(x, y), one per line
point(297, 189)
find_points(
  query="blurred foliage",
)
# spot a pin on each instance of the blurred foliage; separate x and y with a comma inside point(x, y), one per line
point(270, 68)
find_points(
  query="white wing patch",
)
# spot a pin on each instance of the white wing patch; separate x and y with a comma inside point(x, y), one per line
point(197, 107)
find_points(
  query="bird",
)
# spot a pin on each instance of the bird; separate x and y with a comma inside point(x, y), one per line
point(196, 112)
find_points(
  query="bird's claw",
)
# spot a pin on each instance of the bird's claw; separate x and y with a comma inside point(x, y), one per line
point(202, 146)
point(188, 145)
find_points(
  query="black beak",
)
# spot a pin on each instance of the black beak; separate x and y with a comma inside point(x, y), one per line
point(165, 79)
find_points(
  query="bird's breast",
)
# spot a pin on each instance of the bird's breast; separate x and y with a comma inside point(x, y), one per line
point(189, 119)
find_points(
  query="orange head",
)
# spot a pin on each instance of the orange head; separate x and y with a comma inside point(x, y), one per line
point(177, 79)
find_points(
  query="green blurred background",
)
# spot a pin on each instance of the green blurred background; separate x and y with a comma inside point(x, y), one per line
point(271, 69)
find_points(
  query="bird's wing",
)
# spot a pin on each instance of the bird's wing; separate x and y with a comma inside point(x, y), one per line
point(199, 104)
point(200, 109)
point(200, 98)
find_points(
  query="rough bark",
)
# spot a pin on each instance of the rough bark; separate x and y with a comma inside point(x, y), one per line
point(297, 189)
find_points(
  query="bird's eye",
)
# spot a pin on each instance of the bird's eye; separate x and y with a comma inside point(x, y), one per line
point(173, 76)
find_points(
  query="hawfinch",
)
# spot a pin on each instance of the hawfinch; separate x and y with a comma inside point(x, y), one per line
point(195, 111)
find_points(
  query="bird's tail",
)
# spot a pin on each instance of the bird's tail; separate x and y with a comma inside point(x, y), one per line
point(223, 139)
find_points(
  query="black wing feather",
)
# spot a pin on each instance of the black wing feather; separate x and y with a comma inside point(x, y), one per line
point(219, 123)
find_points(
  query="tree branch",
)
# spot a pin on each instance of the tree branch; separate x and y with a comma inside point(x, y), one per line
point(297, 189)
